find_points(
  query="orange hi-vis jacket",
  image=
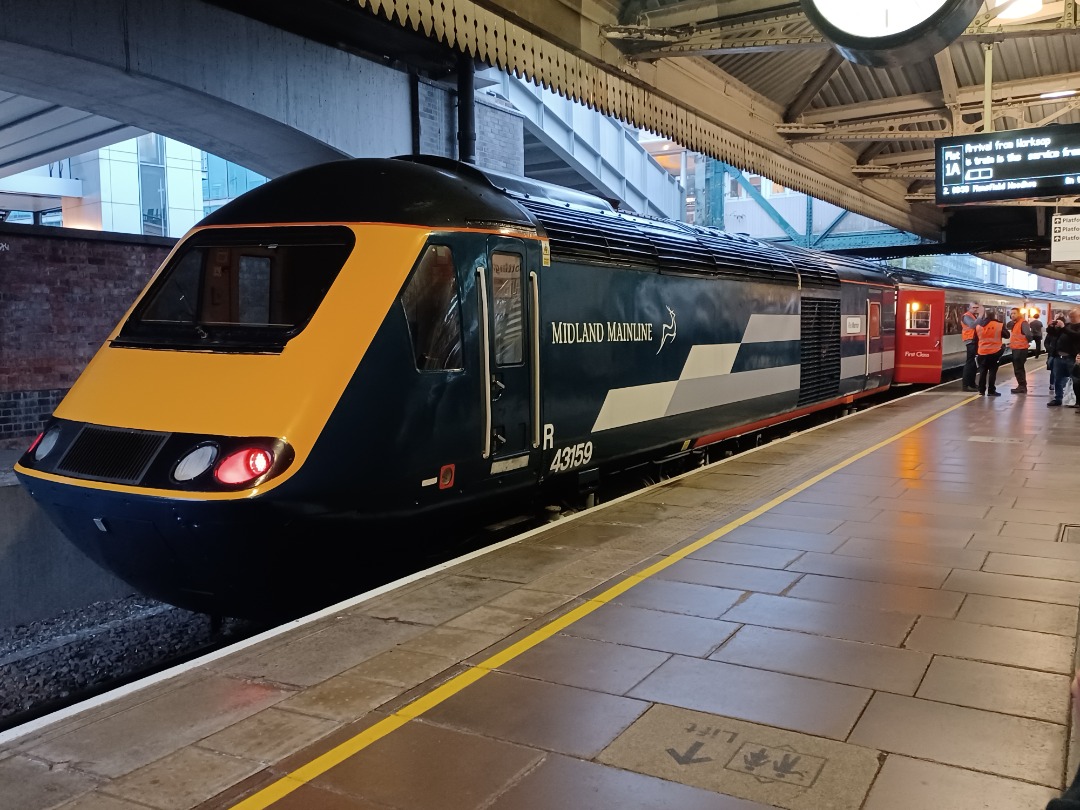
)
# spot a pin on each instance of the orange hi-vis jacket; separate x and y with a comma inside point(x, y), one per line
point(966, 332)
point(989, 337)
point(1017, 340)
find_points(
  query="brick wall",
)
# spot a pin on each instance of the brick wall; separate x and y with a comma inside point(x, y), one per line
point(61, 292)
point(500, 134)
point(438, 121)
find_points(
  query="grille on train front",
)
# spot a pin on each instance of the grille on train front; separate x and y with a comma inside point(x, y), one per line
point(111, 454)
point(819, 377)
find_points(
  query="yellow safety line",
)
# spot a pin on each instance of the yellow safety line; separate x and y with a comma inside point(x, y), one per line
point(335, 756)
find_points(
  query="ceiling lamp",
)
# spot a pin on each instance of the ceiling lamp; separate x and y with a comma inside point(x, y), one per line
point(1020, 8)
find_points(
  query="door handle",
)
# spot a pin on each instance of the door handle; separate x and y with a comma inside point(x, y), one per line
point(497, 388)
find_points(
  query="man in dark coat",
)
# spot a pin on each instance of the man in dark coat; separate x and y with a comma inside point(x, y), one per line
point(1066, 336)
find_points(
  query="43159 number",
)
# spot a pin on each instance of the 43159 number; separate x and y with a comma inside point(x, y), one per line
point(570, 457)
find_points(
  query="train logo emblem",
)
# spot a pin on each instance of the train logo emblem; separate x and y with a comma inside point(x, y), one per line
point(669, 330)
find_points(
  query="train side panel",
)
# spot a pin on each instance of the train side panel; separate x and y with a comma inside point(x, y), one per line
point(868, 337)
point(637, 361)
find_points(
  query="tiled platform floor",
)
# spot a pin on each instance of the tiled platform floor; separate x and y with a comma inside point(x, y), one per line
point(897, 635)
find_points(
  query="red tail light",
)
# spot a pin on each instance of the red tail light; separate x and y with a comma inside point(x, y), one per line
point(36, 442)
point(244, 466)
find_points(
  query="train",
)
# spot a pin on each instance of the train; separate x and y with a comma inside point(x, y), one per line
point(379, 340)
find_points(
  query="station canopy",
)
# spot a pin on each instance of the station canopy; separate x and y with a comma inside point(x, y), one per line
point(755, 84)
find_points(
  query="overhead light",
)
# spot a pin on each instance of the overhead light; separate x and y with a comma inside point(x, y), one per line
point(1020, 8)
point(1059, 94)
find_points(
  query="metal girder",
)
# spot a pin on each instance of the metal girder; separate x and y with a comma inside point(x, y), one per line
point(771, 33)
point(557, 44)
point(793, 30)
point(828, 229)
point(904, 172)
point(1069, 106)
point(765, 205)
point(855, 134)
point(903, 158)
point(1023, 92)
point(818, 79)
point(684, 13)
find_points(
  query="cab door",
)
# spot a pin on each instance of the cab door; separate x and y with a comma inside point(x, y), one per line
point(920, 325)
point(506, 310)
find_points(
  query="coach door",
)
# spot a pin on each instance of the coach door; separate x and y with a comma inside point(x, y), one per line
point(508, 394)
point(873, 338)
point(920, 325)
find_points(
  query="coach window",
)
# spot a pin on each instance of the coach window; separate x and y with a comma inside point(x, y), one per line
point(431, 307)
point(507, 309)
point(918, 318)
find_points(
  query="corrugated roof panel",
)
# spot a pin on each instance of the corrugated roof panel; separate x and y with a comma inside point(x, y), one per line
point(777, 76)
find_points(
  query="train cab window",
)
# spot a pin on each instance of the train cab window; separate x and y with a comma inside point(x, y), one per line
point(507, 308)
point(431, 307)
point(254, 292)
point(243, 289)
point(917, 316)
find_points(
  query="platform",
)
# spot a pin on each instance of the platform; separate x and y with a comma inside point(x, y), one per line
point(873, 614)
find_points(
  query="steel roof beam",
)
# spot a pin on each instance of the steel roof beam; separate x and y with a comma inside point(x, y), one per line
point(794, 31)
point(898, 158)
point(817, 80)
point(1023, 91)
point(688, 100)
point(702, 12)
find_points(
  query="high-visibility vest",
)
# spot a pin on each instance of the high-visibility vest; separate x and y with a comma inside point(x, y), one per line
point(989, 337)
point(966, 332)
point(1017, 339)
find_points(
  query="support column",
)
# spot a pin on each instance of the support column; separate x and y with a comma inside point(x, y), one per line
point(466, 81)
point(988, 83)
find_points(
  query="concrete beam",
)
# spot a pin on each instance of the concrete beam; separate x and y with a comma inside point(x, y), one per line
point(236, 87)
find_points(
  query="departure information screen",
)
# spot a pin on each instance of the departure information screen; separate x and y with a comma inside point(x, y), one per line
point(1011, 165)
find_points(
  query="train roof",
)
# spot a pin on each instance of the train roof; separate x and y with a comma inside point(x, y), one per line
point(376, 190)
point(924, 279)
point(847, 268)
point(580, 228)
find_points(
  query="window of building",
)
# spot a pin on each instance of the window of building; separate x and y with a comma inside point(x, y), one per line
point(507, 308)
point(431, 307)
point(151, 148)
point(154, 200)
point(152, 187)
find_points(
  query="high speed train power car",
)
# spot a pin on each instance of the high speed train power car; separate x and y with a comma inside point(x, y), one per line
point(372, 339)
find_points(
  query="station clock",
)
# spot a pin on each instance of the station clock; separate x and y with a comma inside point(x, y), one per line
point(890, 33)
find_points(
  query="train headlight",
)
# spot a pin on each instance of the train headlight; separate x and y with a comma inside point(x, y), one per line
point(47, 443)
point(244, 466)
point(195, 463)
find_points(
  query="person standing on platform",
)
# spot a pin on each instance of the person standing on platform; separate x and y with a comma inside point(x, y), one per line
point(1019, 338)
point(1036, 334)
point(1066, 335)
point(968, 322)
point(1051, 351)
point(989, 332)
